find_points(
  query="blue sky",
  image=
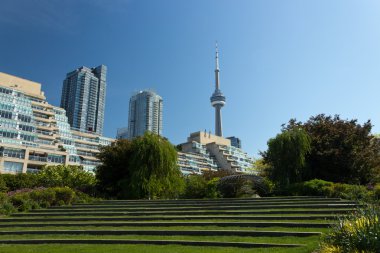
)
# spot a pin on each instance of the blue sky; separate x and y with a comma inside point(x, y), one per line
point(278, 59)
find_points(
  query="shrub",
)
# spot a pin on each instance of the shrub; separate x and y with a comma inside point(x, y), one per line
point(352, 192)
point(5, 206)
point(20, 181)
point(212, 191)
point(376, 191)
point(3, 185)
point(71, 176)
point(80, 197)
point(196, 187)
point(238, 187)
point(316, 187)
point(359, 232)
point(63, 195)
point(22, 202)
point(44, 197)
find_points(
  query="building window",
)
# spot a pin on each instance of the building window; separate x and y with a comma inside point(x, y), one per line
point(13, 167)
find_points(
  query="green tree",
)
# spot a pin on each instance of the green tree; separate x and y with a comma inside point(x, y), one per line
point(113, 175)
point(196, 187)
point(71, 176)
point(341, 150)
point(145, 167)
point(286, 156)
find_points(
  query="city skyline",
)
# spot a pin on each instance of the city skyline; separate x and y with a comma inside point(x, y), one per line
point(279, 60)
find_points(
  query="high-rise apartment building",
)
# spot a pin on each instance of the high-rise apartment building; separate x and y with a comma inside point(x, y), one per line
point(34, 133)
point(145, 114)
point(83, 98)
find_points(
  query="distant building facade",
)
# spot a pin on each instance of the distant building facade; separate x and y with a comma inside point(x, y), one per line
point(83, 98)
point(122, 133)
point(204, 151)
point(34, 133)
point(145, 114)
point(235, 142)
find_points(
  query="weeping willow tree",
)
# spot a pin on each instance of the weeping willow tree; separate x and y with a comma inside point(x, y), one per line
point(286, 156)
point(154, 168)
point(145, 167)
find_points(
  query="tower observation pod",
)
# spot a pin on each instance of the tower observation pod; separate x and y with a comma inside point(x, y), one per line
point(217, 99)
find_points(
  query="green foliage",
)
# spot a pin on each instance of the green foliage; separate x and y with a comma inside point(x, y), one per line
point(50, 176)
point(376, 192)
point(113, 175)
point(143, 168)
point(237, 188)
point(359, 232)
point(6, 207)
point(353, 192)
point(43, 197)
point(212, 190)
point(71, 176)
point(286, 156)
point(20, 181)
point(3, 185)
point(27, 199)
point(341, 150)
point(317, 187)
point(64, 196)
point(196, 187)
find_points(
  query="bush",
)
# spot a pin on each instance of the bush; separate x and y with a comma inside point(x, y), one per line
point(5, 206)
point(44, 197)
point(71, 176)
point(80, 197)
point(22, 202)
point(3, 185)
point(352, 192)
point(63, 195)
point(359, 232)
point(196, 187)
point(212, 191)
point(316, 187)
point(238, 187)
point(20, 181)
point(376, 191)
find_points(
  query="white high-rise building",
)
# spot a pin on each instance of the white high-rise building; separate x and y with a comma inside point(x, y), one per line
point(145, 114)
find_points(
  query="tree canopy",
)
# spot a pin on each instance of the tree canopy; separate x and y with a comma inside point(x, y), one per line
point(145, 167)
point(286, 156)
point(341, 150)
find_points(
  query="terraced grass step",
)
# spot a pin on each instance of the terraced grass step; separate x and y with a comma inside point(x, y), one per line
point(231, 217)
point(167, 224)
point(164, 232)
point(156, 242)
point(293, 198)
point(54, 213)
point(231, 207)
point(152, 205)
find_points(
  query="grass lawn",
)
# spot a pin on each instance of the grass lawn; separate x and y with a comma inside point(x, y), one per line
point(85, 248)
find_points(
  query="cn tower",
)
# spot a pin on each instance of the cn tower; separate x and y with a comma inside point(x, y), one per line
point(217, 99)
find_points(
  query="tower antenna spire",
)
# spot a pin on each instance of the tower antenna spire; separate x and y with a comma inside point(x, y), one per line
point(216, 56)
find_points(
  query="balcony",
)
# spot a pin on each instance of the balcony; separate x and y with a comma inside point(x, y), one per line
point(38, 158)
